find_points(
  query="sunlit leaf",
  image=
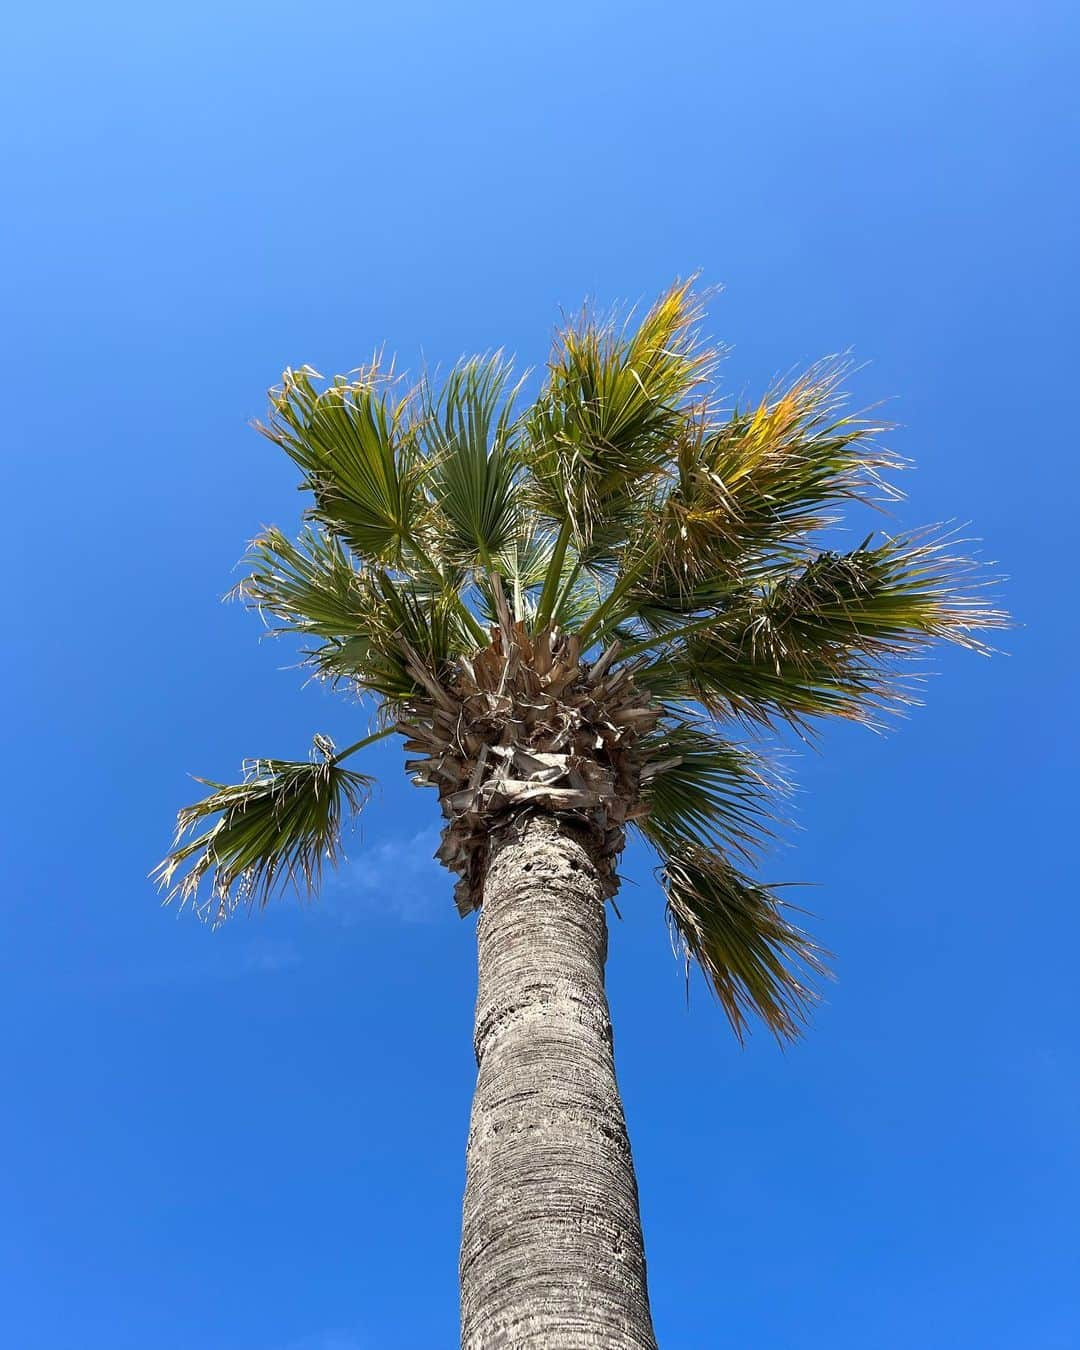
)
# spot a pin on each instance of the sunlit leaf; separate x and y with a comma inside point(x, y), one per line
point(353, 441)
point(468, 432)
point(273, 830)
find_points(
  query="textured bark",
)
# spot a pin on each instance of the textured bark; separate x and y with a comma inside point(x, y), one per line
point(525, 723)
point(552, 1256)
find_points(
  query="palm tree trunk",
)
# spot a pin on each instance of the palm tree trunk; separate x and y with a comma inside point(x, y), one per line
point(552, 1256)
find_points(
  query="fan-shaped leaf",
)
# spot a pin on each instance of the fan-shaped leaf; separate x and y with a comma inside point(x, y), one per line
point(469, 434)
point(614, 404)
point(359, 456)
point(274, 829)
point(700, 787)
point(736, 930)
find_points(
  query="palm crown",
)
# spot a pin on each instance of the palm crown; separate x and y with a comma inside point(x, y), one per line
point(595, 604)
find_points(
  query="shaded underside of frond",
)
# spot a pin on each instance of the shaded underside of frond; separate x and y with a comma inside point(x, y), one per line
point(697, 784)
point(757, 962)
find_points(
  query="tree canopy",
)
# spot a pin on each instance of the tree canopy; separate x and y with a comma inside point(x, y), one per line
point(693, 545)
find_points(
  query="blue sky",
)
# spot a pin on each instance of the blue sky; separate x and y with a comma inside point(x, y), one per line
point(253, 1139)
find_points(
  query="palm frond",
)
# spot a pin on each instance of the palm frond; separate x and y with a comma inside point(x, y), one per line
point(406, 630)
point(698, 786)
point(829, 638)
point(889, 600)
point(311, 586)
point(707, 799)
point(663, 603)
point(756, 961)
point(738, 677)
point(523, 566)
point(274, 829)
point(774, 473)
point(613, 405)
point(468, 433)
point(372, 624)
point(744, 493)
point(522, 563)
point(356, 446)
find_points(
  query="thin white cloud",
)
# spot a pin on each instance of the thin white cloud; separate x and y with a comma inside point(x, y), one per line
point(396, 876)
point(221, 960)
point(266, 956)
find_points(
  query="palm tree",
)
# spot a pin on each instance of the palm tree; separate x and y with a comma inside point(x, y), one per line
point(582, 617)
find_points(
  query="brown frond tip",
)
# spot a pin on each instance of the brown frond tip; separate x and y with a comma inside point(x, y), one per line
point(755, 960)
point(275, 828)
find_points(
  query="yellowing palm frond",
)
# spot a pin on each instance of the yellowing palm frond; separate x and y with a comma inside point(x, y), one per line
point(613, 405)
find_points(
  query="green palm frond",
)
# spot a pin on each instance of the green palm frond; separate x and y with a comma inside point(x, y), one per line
point(311, 586)
point(428, 625)
point(735, 677)
point(825, 639)
point(407, 632)
point(468, 433)
point(663, 603)
point(698, 786)
point(613, 404)
point(371, 623)
point(522, 569)
point(744, 493)
point(884, 601)
point(274, 829)
point(757, 962)
point(356, 446)
point(522, 563)
point(706, 799)
point(620, 513)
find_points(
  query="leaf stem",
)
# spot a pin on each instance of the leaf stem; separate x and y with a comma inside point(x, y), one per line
point(659, 639)
point(359, 745)
point(471, 622)
point(551, 580)
point(571, 581)
point(624, 582)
